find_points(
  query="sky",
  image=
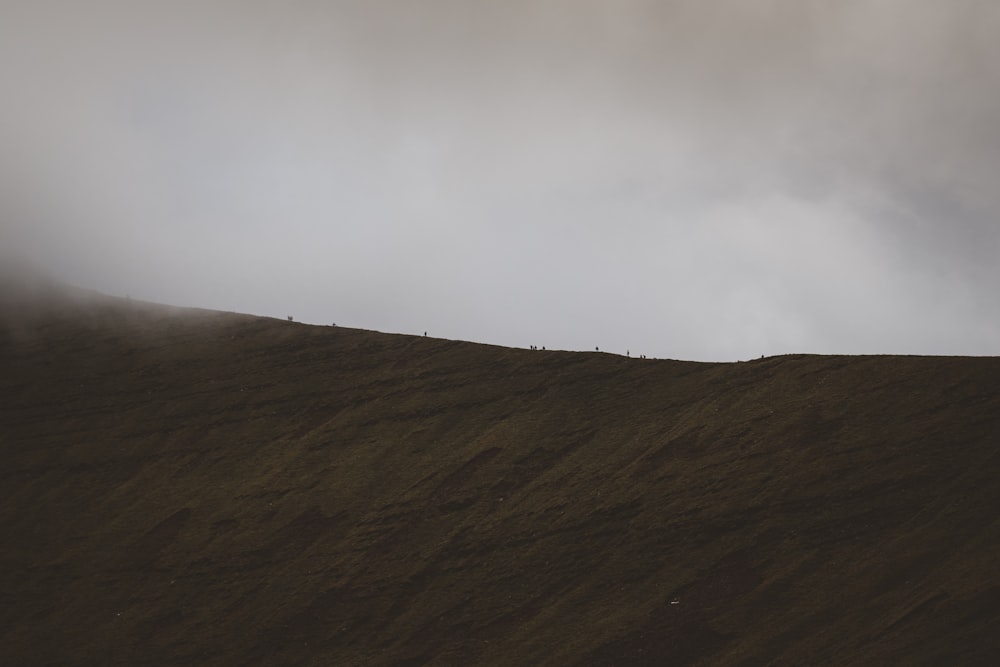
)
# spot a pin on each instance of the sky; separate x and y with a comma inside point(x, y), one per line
point(694, 179)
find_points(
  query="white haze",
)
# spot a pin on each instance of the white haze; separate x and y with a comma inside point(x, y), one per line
point(701, 179)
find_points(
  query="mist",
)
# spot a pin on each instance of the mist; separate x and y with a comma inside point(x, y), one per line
point(703, 180)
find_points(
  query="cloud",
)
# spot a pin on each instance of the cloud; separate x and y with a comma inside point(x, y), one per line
point(695, 179)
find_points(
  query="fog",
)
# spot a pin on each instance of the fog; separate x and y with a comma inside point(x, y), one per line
point(699, 179)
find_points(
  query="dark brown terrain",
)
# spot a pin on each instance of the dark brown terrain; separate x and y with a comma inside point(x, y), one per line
point(185, 487)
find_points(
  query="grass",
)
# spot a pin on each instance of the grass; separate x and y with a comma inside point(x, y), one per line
point(190, 487)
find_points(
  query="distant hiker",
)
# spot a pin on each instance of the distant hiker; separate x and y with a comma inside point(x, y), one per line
point(543, 347)
point(425, 333)
point(289, 318)
point(627, 353)
point(597, 349)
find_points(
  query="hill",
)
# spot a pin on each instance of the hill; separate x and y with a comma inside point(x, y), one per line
point(192, 487)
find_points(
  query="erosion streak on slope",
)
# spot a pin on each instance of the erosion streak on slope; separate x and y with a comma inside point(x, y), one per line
point(196, 487)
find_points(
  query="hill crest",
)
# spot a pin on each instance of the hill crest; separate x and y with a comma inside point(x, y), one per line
point(211, 488)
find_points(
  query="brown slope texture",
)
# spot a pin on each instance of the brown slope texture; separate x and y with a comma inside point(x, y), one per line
point(189, 487)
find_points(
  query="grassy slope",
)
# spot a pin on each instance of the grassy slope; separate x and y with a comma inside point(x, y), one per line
point(185, 487)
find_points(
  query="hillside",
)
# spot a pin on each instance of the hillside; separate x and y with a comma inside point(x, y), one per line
point(184, 487)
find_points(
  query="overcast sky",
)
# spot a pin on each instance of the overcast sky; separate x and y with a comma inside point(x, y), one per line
point(698, 179)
